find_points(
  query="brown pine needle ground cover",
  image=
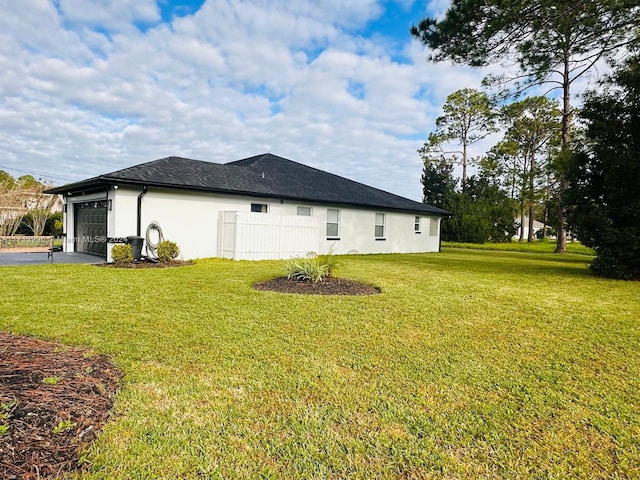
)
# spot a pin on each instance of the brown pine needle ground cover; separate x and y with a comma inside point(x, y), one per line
point(53, 402)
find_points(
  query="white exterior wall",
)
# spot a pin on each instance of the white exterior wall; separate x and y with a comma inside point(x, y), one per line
point(192, 220)
point(357, 233)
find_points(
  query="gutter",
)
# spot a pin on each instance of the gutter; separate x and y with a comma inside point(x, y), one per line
point(142, 194)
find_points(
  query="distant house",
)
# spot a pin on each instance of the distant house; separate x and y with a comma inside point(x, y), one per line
point(525, 227)
point(16, 203)
point(262, 207)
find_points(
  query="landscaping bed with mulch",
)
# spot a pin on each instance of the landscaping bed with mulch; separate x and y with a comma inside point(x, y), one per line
point(54, 400)
point(329, 286)
point(148, 264)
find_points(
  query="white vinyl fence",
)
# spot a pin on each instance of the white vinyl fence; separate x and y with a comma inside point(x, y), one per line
point(262, 236)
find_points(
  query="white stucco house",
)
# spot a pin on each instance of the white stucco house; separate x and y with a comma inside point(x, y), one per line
point(262, 207)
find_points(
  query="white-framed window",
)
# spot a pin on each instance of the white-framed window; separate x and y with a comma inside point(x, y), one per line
point(416, 225)
point(259, 207)
point(379, 229)
point(333, 222)
point(304, 211)
point(433, 226)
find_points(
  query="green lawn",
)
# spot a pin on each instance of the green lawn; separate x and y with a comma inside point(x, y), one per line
point(469, 364)
point(538, 246)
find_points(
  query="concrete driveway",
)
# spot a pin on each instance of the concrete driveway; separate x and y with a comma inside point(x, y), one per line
point(39, 258)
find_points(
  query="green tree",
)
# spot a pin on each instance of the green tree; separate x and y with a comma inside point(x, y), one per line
point(54, 225)
point(7, 182)
point(468, 117)
point(438, 182)
point(482, 211)
point(28, 182)
point(603, 176)
point(532, 132)
point(553, 42)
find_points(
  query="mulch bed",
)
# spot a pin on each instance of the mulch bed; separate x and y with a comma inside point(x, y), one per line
point(54, 399)
point(147, 264)
point(329, 286)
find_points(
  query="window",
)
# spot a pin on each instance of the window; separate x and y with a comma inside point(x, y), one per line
point(433, 227)
point(379, 230)
point(304, 211)
point(259, 207)
point(333, 222)
point(416, 225)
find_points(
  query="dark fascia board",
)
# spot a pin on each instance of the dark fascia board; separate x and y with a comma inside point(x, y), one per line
point(105, 181)
point(74, 188)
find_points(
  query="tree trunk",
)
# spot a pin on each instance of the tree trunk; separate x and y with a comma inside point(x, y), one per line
point(530, 233)
point(561, 242)
point(521, 236)
point(532, 170)
point(464, 164)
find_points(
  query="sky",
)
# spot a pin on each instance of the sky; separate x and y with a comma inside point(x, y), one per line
point(92, 86)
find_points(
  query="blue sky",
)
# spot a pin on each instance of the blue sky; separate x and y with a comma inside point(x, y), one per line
point(91, 86)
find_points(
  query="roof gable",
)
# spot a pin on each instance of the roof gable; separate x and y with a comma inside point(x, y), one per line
point(264, 175)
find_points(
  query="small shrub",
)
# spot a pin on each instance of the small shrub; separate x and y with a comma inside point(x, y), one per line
point(307, 269)
point(122, 253)
point(167, 251)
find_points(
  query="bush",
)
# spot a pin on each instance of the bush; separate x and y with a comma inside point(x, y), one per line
point(545, 233)
point(54, 225)
point(314, 269)
point(122, 253)
point(167, 251)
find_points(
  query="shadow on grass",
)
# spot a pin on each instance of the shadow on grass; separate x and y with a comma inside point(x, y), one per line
point(496, 262)
point(519, 263)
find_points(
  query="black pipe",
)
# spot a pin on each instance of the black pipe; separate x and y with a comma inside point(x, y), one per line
point(142, 194)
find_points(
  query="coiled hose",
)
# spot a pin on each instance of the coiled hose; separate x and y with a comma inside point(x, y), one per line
point(152, 248)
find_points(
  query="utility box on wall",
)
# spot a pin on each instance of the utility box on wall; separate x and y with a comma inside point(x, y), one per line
point(262, 236)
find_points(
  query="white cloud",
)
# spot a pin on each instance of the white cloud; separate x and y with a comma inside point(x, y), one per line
point(85, 90)
point(109, 14)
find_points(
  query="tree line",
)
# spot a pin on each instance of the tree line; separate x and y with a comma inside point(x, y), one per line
point(571, 169)
point(25, 209)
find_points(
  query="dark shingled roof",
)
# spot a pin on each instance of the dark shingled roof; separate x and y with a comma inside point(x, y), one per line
point(264, 175)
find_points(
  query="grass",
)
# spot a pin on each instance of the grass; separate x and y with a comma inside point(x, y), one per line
point(539, 246)
point(469, 364)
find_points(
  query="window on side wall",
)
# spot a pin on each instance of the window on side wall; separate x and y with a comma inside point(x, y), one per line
point(304, 211)
point(259, 207)
point(333, 223)
point(416, 225)
point(433, 227)
point(379, 229)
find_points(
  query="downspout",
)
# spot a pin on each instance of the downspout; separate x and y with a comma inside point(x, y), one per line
point(142, 194)
point(65, 227)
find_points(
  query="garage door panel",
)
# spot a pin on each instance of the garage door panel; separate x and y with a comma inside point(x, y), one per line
point(91, 227)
